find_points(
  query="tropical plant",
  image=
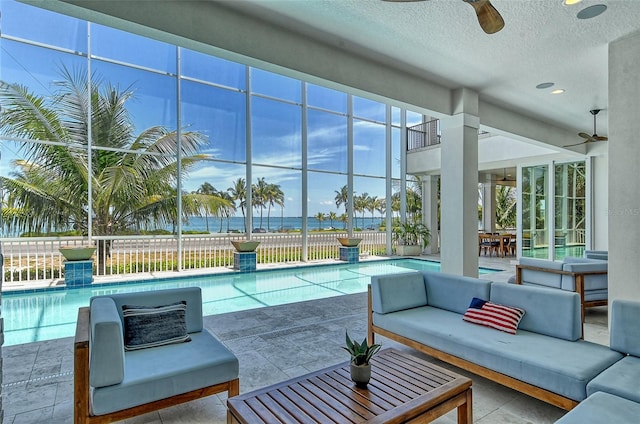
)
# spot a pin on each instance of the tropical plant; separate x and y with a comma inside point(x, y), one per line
point(361, 353)
point(320, 217)
point(259, 193)
point(332, 217)
point(132, 177)
point(412, 233)
point(238, 192)
point(273, 196)
point(342, 198)
point(506, 201)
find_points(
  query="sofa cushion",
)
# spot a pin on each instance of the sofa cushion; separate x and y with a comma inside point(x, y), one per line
point(146, 327)
point(394, 292)
point(541, 278)
point(453, 292)
point(620, 379)
point(492, 315)
point(551, 312)
point(601, 408)
point(554, 364)
point(106, 348)
point(191, 295)
point(161, 372)
point(591, 282)
point(625, 332)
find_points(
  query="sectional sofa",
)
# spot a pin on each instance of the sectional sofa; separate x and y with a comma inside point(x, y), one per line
point(614, 395)
point(545, 358)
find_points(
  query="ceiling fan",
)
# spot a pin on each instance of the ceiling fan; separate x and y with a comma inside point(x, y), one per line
point(488, 17)
point(590, 138)
point(507, 180)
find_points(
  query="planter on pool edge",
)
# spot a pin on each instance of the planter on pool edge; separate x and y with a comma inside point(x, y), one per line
point(349, 241)
point(245, 245)
point(77, 253)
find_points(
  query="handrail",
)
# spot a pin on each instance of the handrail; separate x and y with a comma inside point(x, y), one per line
point(423, 135)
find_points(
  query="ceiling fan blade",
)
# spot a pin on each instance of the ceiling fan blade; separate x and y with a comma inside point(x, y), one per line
point(584, 135)
point(600, 138)
point(576, 144)
point(488, 17)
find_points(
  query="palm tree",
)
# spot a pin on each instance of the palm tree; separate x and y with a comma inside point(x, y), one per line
point(381, 207)
point(371, 206)
point(320, 217)
point(342, 198)
point(238, 193)
point(506, 201)
point(344, 219)
point(273, 196)
point(332, 217)
point(360, 204)
point(132, 179)
point(206, 189)
point(259, 196)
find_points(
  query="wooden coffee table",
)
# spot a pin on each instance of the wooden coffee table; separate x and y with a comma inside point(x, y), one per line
point(403, 389)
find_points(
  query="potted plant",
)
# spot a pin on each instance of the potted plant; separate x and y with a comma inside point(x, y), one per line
point(361, 354)
point(411, 238)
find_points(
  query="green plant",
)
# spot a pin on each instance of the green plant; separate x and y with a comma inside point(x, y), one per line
point(412, 234)
point(361, 353)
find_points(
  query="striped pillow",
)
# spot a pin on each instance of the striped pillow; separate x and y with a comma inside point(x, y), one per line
point(152, 326)
point(499, 317)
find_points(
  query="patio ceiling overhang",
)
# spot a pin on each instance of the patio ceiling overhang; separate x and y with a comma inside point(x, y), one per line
point(400, 65)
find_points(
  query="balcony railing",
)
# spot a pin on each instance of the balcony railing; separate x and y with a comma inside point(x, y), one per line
point(423, 135)
point(38, 258)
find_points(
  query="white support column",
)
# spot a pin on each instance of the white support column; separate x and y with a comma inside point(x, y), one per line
point(489, 205)
point(459, 187)
point(430, 210)
point(624, 157)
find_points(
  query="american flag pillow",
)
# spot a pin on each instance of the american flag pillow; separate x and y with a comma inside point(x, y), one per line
point(500, 317)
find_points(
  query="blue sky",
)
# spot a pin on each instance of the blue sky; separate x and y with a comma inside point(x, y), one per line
point(213, 104)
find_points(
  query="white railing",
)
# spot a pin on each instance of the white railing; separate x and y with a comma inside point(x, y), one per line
point(38, 258)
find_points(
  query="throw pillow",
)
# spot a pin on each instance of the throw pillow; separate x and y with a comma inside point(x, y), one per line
point(151, 326)
point(493, 315)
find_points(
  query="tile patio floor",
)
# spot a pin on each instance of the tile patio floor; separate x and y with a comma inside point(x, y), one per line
point(272, 344)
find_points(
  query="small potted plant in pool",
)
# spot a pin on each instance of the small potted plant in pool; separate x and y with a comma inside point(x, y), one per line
point(361, 354)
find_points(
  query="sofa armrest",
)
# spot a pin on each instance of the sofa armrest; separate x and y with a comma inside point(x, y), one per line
point(106, 345)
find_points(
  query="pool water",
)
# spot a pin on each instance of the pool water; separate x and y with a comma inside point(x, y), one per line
point(50, 314)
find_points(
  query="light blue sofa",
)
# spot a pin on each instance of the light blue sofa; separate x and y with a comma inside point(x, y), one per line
point(112, 383)
point(587, 277)
point(546, 358)
point(614, 395)
point(597, 254)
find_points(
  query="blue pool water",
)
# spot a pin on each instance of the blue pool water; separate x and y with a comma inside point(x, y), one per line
point(50, 314)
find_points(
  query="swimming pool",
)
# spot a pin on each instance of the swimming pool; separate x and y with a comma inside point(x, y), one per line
point(50, 314)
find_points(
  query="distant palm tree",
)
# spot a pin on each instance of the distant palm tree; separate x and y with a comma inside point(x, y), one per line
point(259, 193)
point(360, 205)
point(273, 196)
point(342, 198)
point(371, 205)
point(506, 200)
point(133, 178)
point(320, 217)
point(381, 207)
point(344, 219)
point(212, 202)
point(238, 193)
point(332, 217)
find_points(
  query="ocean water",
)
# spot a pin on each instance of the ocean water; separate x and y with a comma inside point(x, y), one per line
point(275, 223)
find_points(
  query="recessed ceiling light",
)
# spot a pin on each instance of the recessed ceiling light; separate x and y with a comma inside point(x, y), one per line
point(558, 91)
point(592, 11)
point(544, 85)
point(571, 2)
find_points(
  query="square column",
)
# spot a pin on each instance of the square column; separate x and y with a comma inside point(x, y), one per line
point(459, 188)
point(350, 254)
point(78, 273)
point(245, 261)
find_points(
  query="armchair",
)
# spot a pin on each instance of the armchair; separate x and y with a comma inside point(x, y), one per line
point(587, 277)
point(139, 352)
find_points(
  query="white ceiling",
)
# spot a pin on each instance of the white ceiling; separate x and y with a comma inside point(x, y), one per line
point(440, 40)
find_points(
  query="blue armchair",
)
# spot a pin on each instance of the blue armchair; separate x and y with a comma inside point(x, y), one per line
point(587, 277)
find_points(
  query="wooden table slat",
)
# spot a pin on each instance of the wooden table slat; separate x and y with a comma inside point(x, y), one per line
point(402, 389)
point(309, 408)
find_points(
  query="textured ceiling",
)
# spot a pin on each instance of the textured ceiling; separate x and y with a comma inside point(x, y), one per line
point(543, 41)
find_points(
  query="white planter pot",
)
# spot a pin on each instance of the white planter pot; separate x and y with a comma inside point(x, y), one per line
point(406, 250)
